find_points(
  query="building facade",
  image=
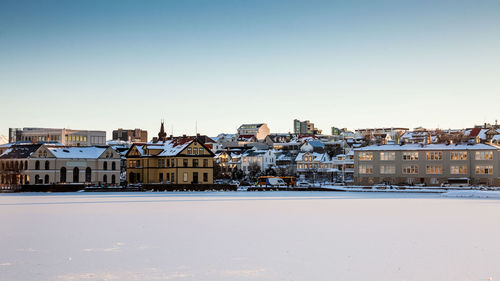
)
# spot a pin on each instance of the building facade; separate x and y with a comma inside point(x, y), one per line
point(135, 135)
point(175, 161)
point(66, 137)
point(260, 131)
point(305, 128)
point(30, 164)
point(431, 164)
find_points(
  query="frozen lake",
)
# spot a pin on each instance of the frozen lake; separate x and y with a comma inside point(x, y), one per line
point(248, 236)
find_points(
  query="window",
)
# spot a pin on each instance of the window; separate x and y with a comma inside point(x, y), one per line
point(195, 150)
point(205, 176)
point(168, 162)
point(76, 174)
point(161, 177)
point(88, 174)
point(434, 169)
point(185, 177)
point(200, 151)
point(105, 179)
point(365, 156)
point(484, 155)
point(46, 179)
point(105, 166)
point(484, 169)
point(410, 155)
point(388, 156)
point(172, 176)
point(189, 150)
point(366, 169)
point(113, 179)
point(458, 155)
point(161, 163)
point(434, 155)
point(37, 165)
point(113, 166)
point(410, 169)
point(185, 162)
point(47, 165)
point(62, 175)
point(205, 162)
point(172, 163)
point(387, 169)
point(458, 169)
point(195, 162)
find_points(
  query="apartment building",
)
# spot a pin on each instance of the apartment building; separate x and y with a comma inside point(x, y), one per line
point(431, 164)
point(64, 136)
point(135, 135)
point(260, 131)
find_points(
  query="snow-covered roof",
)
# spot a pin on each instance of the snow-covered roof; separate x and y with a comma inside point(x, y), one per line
point(317, 157)
point(478, 146)
point(82, 152)
point(3, 139)
point(168, 148)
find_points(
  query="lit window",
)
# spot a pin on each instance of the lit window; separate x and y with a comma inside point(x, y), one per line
point(387, 169)
point(434, 155)
point(458, 155)
point(410, 155)
point(410, 169)
point(434, 169)
point(484, 155)
point(366, 169)
point(365, 156)
point(484, 169)
point(388, 156)
point(458, 169)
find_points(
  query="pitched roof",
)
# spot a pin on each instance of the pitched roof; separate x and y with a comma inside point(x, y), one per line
point(82, 152)
point(19, 151)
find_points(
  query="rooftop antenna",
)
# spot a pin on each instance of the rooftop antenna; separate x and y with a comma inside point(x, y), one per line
point(196, 127)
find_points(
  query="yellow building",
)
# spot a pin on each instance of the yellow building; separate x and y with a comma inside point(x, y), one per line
point(176, 161)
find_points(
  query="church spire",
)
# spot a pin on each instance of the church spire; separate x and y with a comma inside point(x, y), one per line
point(162, 136)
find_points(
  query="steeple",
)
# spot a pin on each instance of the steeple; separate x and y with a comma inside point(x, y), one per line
point(162, 136)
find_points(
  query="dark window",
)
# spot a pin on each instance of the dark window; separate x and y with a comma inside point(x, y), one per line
point(105, 166)
point(105, 179)
point(62, 176)
point(205, 176)
point(185, 162)
point(113, 179)
point(37, 165)
point(26, 164)
point(168, 176)
point(76, 174)
point(21, 165)
point(132, 178)
point(195, 177)
point(37, 179)
point(113, 166)
point(168, 162)
point(195, 162)
point(88, 174)
point(205, 162)
point(46, 179)
point(172, 177)
point(173, 163)
point(161, 177)
point(47, 165)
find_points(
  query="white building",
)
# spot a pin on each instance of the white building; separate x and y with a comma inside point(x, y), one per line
point(65, 136)
point(264, 159)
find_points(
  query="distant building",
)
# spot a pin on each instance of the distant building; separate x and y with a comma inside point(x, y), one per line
point(380, 134)
point(431, 164)
point(305, 128)
point(30, 164)
point(264, 159)
point(260, 131)
point(136, 135)
point(64, 136)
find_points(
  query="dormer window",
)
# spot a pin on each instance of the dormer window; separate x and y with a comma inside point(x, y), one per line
point(189, 150)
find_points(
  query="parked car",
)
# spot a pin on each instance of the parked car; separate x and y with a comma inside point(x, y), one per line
point(234, 182)
point(219, 182)
point(303, 183)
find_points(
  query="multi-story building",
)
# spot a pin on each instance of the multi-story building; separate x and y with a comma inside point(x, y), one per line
point(30, 164)
point(175, 161)
point(305, 128)
point(135, 135)
point(260, 131)
point(64, 136)
point(432, 164)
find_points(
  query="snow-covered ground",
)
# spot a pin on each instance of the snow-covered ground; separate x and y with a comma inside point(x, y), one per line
point(472, 194)
point(248, 236)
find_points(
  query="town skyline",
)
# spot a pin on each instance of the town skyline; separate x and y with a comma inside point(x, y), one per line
point(106, 65)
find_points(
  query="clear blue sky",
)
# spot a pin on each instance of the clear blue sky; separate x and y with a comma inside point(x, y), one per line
point(109, 64)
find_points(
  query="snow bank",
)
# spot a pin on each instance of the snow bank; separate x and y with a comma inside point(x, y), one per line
point(472, 194)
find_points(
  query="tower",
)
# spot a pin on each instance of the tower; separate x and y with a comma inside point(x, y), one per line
point(162, 136)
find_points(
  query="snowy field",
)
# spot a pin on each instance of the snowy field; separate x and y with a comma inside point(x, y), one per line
point(249, 236)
